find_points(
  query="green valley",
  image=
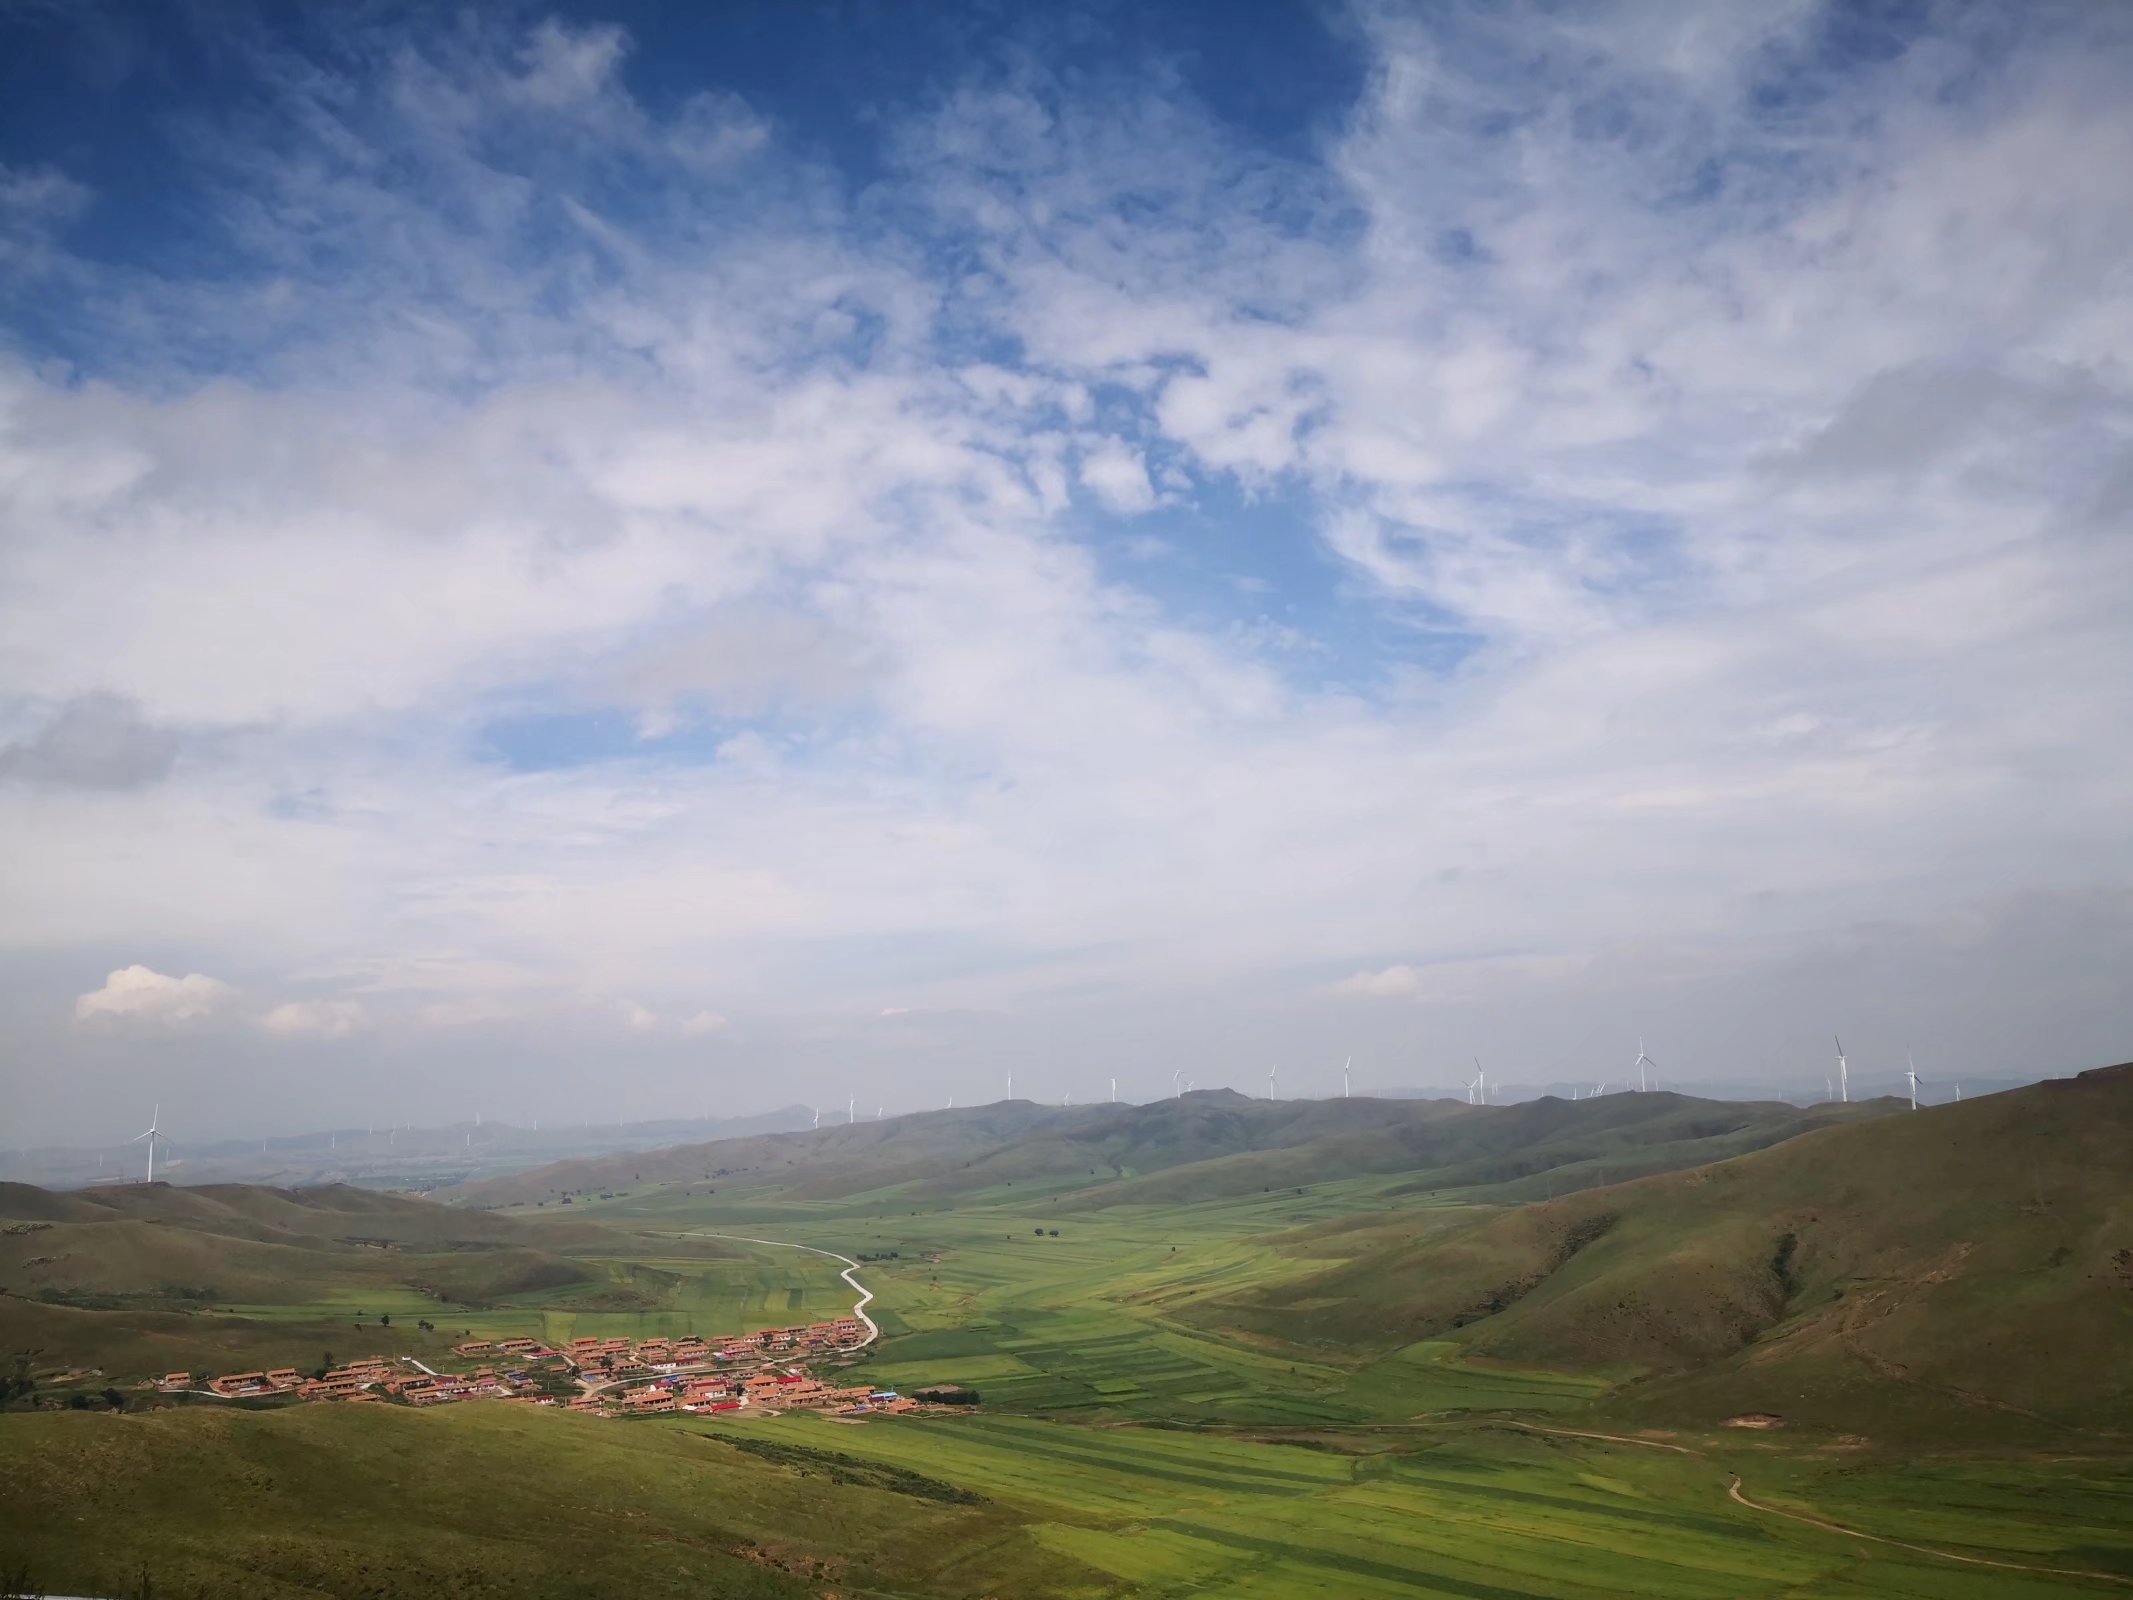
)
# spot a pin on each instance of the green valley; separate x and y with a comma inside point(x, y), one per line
point(1792, 1369)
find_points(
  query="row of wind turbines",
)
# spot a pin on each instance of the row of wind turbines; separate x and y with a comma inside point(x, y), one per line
point(1478, 1090)
point(1840, 1087)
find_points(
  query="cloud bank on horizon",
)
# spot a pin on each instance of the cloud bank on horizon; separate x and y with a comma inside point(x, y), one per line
point(527, 545)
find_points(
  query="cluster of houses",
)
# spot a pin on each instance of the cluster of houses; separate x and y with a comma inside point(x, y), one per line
point(620, 1358)
point(779, 1391)
point(372, 1378)
point(618, 1376)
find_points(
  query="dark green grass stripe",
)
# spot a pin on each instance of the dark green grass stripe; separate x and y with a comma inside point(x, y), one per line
point(1556, 1502)
point(1386, 1571)
point(1235, 1475)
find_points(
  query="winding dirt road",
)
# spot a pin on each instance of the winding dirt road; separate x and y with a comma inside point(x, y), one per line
point(1733, 1492)
point(865, 1294)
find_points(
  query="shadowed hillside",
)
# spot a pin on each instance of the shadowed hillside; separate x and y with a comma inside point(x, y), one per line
point(1973, 1258)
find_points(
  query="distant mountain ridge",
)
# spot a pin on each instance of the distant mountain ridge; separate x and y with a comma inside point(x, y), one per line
point(1203, 1145)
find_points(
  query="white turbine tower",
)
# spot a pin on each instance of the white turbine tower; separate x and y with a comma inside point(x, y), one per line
point(817, 1120)
point(851, 1109)
point(1844, 1073)
point(1010, 1083)
point(1346, 1091)
point(1911, 1073)
point(1114, 1091)
point(877, 1113)
point(154, 1135)
point(1177, 1083)
point(1273, 1083)
point(1478, 1090)
point(1642, 1062)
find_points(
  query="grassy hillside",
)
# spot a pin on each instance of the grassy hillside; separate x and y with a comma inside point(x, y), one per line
point(160, 1245)
point(1968, 1266)
point(474, 1500)
point(149, 1279)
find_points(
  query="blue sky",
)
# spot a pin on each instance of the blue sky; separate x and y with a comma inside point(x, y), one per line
point(818, 550)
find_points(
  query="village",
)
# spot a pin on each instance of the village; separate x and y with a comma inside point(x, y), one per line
point(764, 1371)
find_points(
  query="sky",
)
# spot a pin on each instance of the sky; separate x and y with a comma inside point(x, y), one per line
point(655, 558)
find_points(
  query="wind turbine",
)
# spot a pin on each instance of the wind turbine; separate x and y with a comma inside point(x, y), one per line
point(1346, 1091)
point(851, 1109)
point(1642, 1062)
point(1602, 1089)
point(1114, 1091)
point(1177, 1083)
point(1844, 1073)
point(1479, 1086)
point(1912, 1074)
point(153, 1134)
point(877, 1113)
point(1010, 1083)
point(817, 1121)
point(1273, 1083)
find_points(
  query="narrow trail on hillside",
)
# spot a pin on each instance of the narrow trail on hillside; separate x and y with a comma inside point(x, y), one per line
point(1733, 1492)
point(866, 1295)
point(1611, 1438)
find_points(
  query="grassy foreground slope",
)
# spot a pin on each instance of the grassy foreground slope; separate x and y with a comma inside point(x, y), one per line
point(1967, 1267)
point(487, 1500)
point(472, 1500)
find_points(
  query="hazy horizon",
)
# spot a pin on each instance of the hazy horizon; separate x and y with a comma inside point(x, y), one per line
point(592, 561)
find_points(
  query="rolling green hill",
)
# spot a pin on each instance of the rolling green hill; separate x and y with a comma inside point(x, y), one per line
point(1969, 1266)
point(151, 1278)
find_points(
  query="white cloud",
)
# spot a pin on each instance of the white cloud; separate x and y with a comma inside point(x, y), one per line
point(317, 1019)
point(1117, 476)
point(703, 1024)
point(637, 1018)
point(140, 994)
